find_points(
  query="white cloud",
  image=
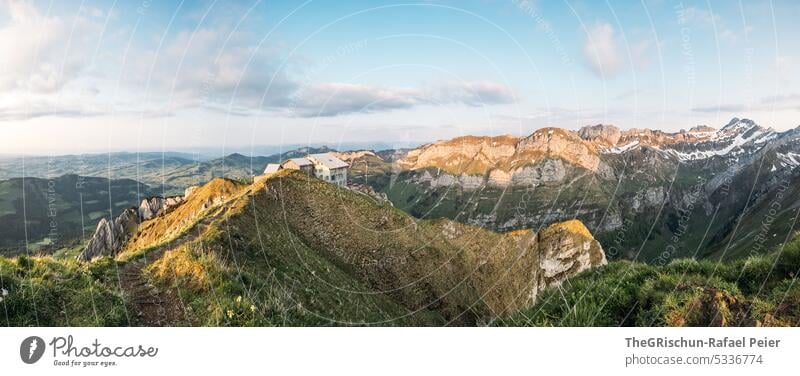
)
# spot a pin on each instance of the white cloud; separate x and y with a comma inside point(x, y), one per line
point(334, 99)
point(337, 99)
point(211, 67)
point(473, 93)
point(602, 50)
point(218, 67)
point(39, 53)
point(608, 57)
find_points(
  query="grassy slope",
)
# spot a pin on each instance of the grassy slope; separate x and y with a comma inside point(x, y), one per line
point(44, 291)
point(760, 290)
point(290, 250)
point(330, 256)
point(233, 264)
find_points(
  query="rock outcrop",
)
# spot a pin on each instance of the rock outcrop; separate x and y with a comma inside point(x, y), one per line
point(150, 207)
point(154, 206)
point(172, 201)
point(565, 249)
point(110, 236)
point(607, 135)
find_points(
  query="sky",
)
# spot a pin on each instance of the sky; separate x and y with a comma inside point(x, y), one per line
point(148, 75)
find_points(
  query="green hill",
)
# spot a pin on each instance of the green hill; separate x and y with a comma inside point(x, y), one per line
point(293, 250)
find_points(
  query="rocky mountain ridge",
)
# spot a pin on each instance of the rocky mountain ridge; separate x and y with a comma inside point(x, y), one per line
point(506, 159)
point(649, 193)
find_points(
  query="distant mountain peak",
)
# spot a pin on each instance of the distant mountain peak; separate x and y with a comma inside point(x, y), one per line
point(475, 155)
point(604, 133)
point(739, 123)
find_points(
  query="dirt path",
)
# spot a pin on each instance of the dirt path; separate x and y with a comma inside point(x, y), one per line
point(150, 305)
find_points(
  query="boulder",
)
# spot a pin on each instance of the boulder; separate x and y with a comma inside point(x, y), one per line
point(566, 249)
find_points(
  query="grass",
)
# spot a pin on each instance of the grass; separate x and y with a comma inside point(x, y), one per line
point(758, 291)
point(46, 292)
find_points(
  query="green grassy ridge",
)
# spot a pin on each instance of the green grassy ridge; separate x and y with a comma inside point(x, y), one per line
point(385, 248)
point(255, 263)
point(318, 284)
point(247, 268)
point(296, 251)
point(285, 282)
point(760, 290)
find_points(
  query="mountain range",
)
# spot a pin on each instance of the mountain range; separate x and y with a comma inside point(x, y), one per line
point(697, 227)
point(647, 195)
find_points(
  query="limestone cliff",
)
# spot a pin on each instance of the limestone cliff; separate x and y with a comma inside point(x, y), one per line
point(545, 156)
point(110, 236)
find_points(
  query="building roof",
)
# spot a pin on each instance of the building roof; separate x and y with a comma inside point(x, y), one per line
point(328, 160)
point(300, 161)
point(272, 167)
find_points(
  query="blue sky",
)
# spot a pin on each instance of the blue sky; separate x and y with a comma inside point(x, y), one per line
point(167, 75)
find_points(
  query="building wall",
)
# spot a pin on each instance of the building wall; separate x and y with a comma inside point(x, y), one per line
point(336, 176)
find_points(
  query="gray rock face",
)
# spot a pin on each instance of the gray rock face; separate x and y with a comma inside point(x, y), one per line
point(611, 221)
point(150, 207)
point(110, 237)
point(154, 206)
point(565, 249)
point(550, 171)
point(607, 134)
point(171, 202)
point(650, 197)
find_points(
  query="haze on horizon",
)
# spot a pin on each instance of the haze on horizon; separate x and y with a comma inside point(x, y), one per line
point(93, 76)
